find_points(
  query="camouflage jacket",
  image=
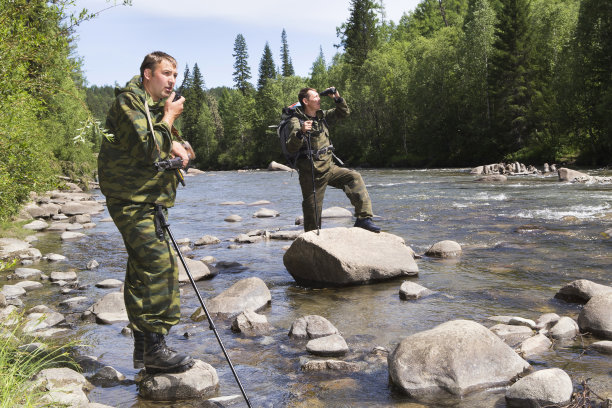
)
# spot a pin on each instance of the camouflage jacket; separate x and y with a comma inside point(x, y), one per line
point(125, 164)
point(319, 136)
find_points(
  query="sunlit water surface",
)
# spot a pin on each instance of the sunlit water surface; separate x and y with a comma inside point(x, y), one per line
point(522, 240)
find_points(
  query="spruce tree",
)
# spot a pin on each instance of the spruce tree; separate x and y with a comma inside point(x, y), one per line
point(287, 67)
point(359, 35)
point(242, 72)
point(318, 72)
point(267, 69)
point(509, 78)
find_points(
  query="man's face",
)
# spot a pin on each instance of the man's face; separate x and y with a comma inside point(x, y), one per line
point(313, 100)
point(159, 83)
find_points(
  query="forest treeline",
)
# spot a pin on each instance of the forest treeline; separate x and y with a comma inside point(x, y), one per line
point(453, 83)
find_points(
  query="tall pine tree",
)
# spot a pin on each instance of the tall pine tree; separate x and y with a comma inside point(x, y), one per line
point(359, 35)
point(242, 72)
point(267, 69)
point(509, 78)
point(287, 67)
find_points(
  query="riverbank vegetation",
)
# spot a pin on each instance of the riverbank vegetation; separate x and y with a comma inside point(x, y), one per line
point(453, 83)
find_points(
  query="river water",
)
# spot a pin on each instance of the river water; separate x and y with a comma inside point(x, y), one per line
point(522, 240)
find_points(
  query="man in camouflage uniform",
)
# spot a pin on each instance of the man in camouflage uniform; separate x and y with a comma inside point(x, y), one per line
point(311, 122)
point(141, 132)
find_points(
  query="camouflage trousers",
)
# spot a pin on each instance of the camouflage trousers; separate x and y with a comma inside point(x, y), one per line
point(151, 290)
point(338, 177)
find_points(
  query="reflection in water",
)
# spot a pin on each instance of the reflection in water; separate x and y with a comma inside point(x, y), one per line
point(519, 245)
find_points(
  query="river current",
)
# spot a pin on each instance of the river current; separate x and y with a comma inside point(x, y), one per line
point(522, 240)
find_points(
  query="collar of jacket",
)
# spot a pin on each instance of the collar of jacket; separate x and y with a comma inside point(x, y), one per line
point(300, 111)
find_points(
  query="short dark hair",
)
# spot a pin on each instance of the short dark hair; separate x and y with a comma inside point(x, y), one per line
point(152, 59)
point(304, 94)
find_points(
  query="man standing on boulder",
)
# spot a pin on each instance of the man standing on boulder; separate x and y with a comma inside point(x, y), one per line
point(311, 122)
point(141, 132)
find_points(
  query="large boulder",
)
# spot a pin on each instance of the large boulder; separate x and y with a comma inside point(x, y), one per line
point(581, 290)
point(544, 388)
point(198, 270)
point(12, 247)
point(444, 249)
point(110, 309)
point(246, 294)
point(455, 358)
point(312, 327)
point(566, 174)
point(200, 381)
point(65, 387)
point(348, 256)
point(596, 316)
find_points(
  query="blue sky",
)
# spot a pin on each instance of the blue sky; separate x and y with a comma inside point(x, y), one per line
point(113, 45)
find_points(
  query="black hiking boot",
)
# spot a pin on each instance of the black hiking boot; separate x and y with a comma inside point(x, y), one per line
point(158, 358)
point(367, 224)
point(139, 347)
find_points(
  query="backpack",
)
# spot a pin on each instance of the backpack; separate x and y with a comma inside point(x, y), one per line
point(283, 134)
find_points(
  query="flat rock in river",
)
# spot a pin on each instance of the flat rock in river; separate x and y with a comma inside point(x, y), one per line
point(348, 256)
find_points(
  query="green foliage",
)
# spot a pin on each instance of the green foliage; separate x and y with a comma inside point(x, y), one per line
point(18, 366)
point(267, 69)
point(242, 72)
point(99, 100)
point(287, 65)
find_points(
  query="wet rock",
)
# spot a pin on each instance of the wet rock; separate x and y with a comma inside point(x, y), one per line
point(26, 273)
point(260, 202)
point(550, 387)
point(110, 309)
point(565, 328)
point(286, 235)
point(233, 218)
point(208, 259)
point(456, 357)
point(566, 174)
point(251, 324)
point(412, 291)
point(547, 320)
point(246, 294)
point(93, 264)
point(109, 283)
point(274, 166)
point(332, 365)
point(58, 226)
point(42, 321)
point(74, 301)
point(604, 346)
point(348, 256)
point(80, 219)
point(581, 290)
point(534, 345)
point(336, 212)
point(266, 213)
point(207, 240)
point(246, 239)
point(11, 247)
point(65, 386)
point(40, 309)
point(88, 363)
point(444, 249)
point(71, 235)
point(312, 327)
point(510, 334)
point(198, 270)
point(107, 376)
point(29, 285)
point(69, 276)
point(223, 402)
point(12, 291)
point(328, 346)
point(596, 316)
point(54, 257)
point(492, 178)
point(520, 321)
point(36, 225)
point(200, 381)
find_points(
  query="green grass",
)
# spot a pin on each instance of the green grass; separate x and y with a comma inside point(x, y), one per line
point(14, 229)
point(18, 366)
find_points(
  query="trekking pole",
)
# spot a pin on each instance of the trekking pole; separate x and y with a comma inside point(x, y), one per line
point(314, 189)
point(166, 226)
